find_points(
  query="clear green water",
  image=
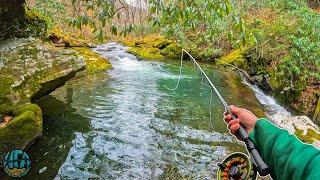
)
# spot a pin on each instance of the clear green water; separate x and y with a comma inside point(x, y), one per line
point(124, 124)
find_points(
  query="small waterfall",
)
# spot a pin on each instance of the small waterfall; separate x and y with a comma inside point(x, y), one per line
point(276, 112)
point(280, 116)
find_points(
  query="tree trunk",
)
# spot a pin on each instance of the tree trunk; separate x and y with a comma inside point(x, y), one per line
point(11, 10)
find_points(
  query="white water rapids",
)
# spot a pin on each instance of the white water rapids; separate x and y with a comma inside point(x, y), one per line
point(282, 117)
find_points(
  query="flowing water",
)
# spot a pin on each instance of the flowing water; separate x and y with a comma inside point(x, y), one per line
point(124, 124)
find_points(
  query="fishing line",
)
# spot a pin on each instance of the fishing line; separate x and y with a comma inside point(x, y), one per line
point(210, 105)
point(179, 78)
point(202, 83)
point(258, 162)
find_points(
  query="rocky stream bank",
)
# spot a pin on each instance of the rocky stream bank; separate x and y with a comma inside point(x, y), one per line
point(29, 69)
point(303, 123)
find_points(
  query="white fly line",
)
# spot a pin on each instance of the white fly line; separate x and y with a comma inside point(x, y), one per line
point(210, 86)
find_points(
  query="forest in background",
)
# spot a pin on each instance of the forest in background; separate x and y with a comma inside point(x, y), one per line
point(276, 42)
point(45, 43)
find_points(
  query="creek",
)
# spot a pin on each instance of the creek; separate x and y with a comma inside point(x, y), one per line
point(124, 123)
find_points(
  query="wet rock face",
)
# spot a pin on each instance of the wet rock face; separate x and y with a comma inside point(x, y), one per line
point(29, 69)
point(30, 64)
point(262, 82)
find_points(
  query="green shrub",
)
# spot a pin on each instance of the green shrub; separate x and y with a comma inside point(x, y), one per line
point(288, 35)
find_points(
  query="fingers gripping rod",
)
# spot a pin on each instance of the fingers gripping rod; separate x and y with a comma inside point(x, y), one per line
point(261, 166)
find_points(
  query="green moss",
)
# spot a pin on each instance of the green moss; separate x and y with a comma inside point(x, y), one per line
point(5, 89)
point(22, 129)
point(27, 107)
point(310, 137)
point(6, 109)
point(94, 62)
point(70, 39)
point(274, 82)
point(128, 42)
point(173, 50)
point(157, 42)
point(146, 53)
point(235, 56)
point(152, 47)
point(208, 54)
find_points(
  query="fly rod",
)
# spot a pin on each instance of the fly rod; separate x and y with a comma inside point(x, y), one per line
point(261, 166)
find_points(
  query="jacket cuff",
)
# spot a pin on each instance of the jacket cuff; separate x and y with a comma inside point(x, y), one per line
point(261, 122)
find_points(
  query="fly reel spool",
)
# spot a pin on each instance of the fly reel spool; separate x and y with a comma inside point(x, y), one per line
point(237, 166)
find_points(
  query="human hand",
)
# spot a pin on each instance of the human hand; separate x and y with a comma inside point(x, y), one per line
point(244, 117)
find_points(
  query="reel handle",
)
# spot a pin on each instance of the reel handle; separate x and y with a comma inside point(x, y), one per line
point(261, 166)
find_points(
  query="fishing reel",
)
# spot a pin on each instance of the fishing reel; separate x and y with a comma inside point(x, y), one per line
point(237, 166)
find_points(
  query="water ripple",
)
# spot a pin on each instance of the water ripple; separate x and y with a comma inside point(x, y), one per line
point(127, 140)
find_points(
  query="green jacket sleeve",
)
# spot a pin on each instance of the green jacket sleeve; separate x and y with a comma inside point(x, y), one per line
point(286, 156)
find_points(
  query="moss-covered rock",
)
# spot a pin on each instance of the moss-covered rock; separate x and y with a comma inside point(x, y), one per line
point(24, 127)
point(94, 62)
point(30, 69)
point(236, 56)
point(153, 47)
point(30, 63)
point(146, 53)
point(48, 86)
point(156, 41)
point(59, 38)
point(5, 89)
point(173, 50)
point(308, 137)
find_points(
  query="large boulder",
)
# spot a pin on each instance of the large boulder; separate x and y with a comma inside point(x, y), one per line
point(22, 129)
point(30, 69)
